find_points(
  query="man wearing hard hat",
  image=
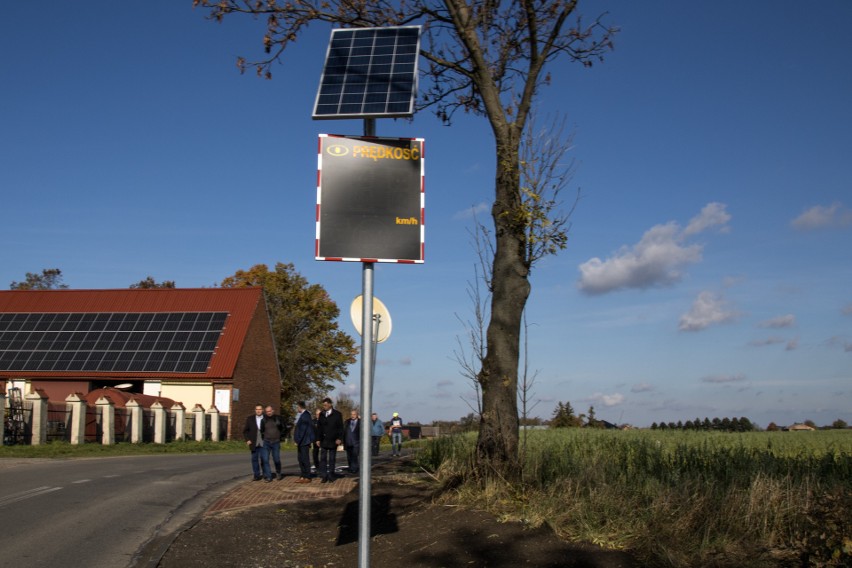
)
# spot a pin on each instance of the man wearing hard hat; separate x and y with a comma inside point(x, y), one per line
point(396, 434)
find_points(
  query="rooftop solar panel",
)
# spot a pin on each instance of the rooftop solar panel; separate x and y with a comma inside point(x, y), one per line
point(181, 342)
point(369, 73)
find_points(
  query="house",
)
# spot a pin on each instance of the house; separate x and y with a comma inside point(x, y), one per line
point(206, 346)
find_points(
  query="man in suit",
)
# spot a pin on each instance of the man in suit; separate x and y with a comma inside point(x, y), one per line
point(303, 436)
point(352, 441)
point(253, 434)
point(329, 436)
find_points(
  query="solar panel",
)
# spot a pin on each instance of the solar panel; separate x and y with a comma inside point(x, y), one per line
point(179, 342)
point(369, 73)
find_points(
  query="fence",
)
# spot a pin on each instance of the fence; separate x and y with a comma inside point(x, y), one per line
point(122, 425)
point(94, 432)
point(58, 423)
point(16, 427)
point(36, 421)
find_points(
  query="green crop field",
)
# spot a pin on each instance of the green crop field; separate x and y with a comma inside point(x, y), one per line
point(674, 498)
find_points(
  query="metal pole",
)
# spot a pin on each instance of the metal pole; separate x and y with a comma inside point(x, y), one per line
point(365, 466)
point(366, 457)
point(377, 320)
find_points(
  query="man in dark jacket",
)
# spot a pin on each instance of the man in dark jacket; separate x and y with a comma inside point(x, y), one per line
point(253, 434)
point(329, 436)
point(377, 432)
point(273, 428)
point(352, 440)
point(303, 436)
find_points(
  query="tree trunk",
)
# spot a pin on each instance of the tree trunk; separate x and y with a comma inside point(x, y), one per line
point(497, 445)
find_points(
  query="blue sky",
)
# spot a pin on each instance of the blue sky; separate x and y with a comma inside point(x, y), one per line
point(709, 264)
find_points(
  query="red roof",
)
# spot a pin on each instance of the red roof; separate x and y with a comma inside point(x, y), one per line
point(240, 303)
point(120, 398)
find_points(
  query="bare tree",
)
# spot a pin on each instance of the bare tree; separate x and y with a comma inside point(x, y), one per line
point(471, 351)
point(525, 392)
point(486, 58)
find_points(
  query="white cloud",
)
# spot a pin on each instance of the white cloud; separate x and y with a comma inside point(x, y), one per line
point(821, 217)
point(846, 310)
point(712, 215)
point(658, 259)
point(472, 212)
point(707, 309)
point(779, 322)
point(641, 387)
point(607, 399)
point(792, 345)
point(721, 379)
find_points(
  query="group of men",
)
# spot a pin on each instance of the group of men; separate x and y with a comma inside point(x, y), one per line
point(323, 433)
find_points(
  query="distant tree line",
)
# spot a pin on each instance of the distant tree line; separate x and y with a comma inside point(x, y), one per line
point(469, 423)
point(49, 279)
point(836, 425)
point(742, 424)
point(52, 279)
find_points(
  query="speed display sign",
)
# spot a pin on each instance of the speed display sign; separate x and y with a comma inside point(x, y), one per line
point(370, 199)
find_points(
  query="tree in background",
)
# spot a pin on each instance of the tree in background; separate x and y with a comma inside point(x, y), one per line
point(563, 416)
point(49, 279)
point(464, 424)
point(591, 419)
point(149, 283)
point(313, 353)
point(489, 59)
point(345, 404)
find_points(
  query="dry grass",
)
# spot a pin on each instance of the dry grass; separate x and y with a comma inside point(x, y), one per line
point(684, 501)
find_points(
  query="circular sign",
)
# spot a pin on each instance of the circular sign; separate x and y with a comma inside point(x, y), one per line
point(381, 318)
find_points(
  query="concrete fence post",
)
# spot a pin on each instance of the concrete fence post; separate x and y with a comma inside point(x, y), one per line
point(76, 405)
point(179, 412)
point(38, 399)
point(198, 413)
point(214, 423)
point(106, 411)
point(135, 418)
point(159, 422)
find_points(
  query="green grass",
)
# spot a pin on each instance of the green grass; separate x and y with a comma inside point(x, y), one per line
point(66, 450)
point(674, 498)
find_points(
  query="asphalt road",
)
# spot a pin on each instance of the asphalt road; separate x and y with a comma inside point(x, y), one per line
point(99, 512)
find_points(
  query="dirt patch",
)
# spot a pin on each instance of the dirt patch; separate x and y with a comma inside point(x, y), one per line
point(408, 530)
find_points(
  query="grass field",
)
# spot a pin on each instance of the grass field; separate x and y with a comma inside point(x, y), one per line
point(674, 498)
